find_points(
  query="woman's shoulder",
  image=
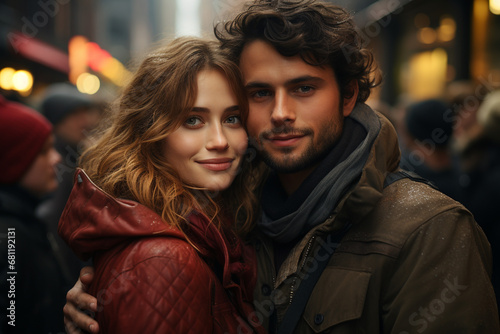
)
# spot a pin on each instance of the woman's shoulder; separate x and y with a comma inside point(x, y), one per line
point(146, 247)
point(149, 283)
point(172, 253)
point(173, 248)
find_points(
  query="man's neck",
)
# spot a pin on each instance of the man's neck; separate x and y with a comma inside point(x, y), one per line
point(292, 181)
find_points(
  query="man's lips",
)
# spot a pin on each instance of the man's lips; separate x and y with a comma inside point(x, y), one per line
point(284, 140)
point(217, 165)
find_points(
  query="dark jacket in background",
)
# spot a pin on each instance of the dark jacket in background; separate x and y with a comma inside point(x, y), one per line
point(39, 286)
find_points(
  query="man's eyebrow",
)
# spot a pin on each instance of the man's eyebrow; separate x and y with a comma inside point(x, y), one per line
point(294, 81)
point(257, 84)
point(303, 79)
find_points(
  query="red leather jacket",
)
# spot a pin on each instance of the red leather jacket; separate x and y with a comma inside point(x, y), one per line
point(148, 278)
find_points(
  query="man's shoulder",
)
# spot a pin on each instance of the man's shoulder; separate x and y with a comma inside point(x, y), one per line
point(415, 199)
point(407, 205)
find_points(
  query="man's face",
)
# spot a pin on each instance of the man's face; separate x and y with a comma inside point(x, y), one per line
point(296, 111)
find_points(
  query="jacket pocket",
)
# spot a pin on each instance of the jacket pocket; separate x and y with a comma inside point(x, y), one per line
point(339, 296)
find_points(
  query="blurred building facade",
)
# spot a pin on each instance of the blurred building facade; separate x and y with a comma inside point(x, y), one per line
point(422, 46)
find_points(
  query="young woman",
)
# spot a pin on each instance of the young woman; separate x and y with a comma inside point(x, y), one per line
point(158, 195)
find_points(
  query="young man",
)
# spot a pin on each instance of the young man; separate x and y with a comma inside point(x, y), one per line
point(412, 260)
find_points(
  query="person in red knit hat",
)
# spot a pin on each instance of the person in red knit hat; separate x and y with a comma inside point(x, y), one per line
point(33, 289)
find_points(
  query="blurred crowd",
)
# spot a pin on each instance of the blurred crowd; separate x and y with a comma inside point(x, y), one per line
point(39, 151)
point(453, 141)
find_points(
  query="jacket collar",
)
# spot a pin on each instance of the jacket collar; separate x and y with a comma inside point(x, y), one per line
point(94, 221)
point(340, 172)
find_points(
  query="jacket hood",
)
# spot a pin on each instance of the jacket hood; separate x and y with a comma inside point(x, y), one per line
point(94, 221)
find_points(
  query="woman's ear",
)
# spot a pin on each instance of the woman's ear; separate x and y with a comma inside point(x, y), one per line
point(351, 98)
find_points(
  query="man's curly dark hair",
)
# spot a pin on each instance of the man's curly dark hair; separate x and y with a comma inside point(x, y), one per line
point(320, 33)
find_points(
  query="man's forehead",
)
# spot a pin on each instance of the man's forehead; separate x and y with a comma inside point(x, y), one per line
point(261, 62)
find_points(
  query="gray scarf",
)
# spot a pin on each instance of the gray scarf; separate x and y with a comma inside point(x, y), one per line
point(322, 199)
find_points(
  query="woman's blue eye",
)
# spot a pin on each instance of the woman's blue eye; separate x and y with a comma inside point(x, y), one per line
point(193, 121)
point(233, 119)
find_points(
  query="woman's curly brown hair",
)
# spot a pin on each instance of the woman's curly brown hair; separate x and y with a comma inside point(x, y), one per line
point(127, 159)
point(320, 33)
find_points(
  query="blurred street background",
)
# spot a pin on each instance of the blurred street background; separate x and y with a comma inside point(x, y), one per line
point(421, 46)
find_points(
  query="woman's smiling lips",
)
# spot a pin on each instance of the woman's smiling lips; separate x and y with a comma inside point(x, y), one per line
point(217, 165)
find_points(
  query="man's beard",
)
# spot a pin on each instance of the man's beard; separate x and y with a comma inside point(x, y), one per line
point(326, 139)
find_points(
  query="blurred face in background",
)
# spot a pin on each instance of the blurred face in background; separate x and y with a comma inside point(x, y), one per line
point(76, 127)
point(206, 149)
point(40, 179)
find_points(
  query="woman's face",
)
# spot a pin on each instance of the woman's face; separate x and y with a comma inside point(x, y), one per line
point(206, 149)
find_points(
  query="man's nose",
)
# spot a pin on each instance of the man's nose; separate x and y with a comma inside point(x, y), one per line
point(283, 111)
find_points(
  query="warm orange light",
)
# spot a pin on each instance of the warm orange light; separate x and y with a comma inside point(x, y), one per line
point(495, 7)
point(88, 83)
point(97, 57)
point(447, 29)
point(77, 50)
point(427, 35)
point(427, 74)
point(22, 81)
point(6, 75)
point(84, 55)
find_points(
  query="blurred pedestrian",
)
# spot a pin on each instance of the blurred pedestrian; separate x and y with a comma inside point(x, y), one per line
point(480, 179)
point(32, 285)
point(464, 97)
point(427, 133)
point(73, 115)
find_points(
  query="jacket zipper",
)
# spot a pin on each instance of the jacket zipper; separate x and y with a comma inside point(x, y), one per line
point(304, 259)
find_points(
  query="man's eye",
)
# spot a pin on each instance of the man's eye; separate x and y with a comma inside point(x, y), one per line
point(305, 89)
point(260, 93)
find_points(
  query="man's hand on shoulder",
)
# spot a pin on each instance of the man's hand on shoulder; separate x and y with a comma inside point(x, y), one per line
point(78, 301)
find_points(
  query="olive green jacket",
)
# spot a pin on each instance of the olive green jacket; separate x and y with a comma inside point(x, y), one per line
point(414, 261)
